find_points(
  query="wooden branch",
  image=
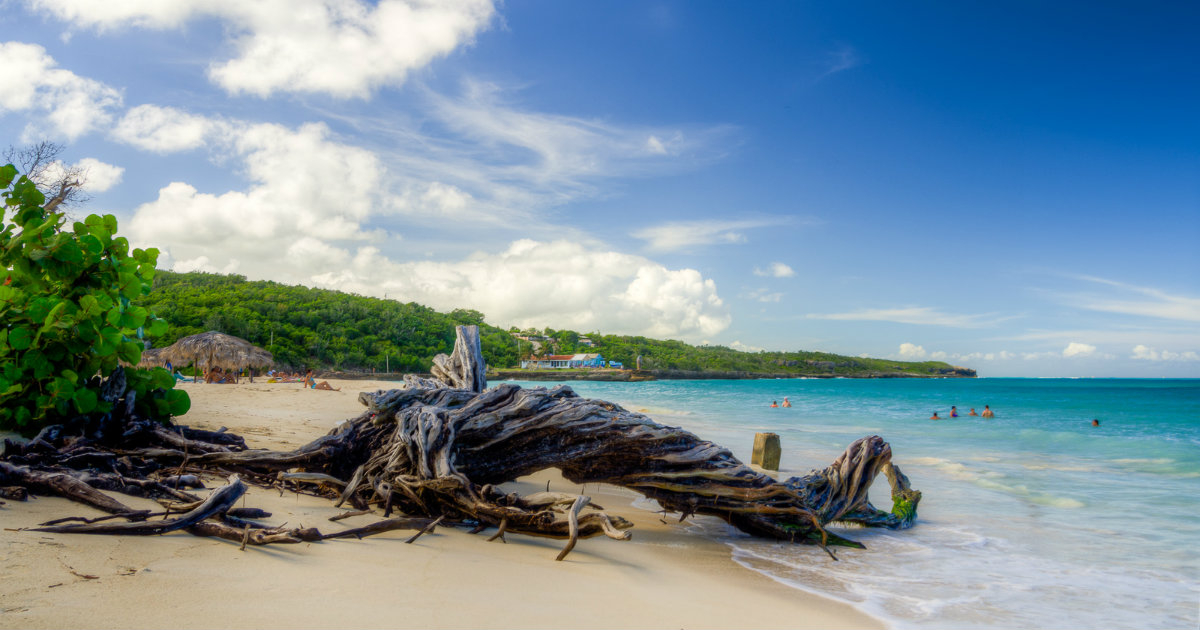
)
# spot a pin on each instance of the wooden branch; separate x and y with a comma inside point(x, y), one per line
point(573, 521)
point(381, 526)
point(217, 503)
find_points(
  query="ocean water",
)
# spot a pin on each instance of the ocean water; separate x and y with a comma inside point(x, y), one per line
point(1032, 519)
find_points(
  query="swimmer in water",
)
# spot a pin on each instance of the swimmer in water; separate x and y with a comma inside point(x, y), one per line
point(774, 404)
point(953, 411)
point(934, 416)
point(1095, 423)
point(786, 402)
point(987, 412)
point(972, 412)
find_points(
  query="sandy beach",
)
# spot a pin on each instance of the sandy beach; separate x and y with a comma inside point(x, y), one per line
point(664, 577)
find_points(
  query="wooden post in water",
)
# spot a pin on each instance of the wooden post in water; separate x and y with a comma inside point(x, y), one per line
point(766, 451)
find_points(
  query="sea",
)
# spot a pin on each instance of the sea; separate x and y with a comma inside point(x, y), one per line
point(1032, 519)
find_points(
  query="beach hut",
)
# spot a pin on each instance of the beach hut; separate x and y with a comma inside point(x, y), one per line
point(215, 349)
point(152, 358)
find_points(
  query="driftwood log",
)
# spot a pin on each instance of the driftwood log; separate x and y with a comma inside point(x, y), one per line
point(439, 448)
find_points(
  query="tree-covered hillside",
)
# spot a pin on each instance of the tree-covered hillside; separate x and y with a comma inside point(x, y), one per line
point(327, 329)
point(317, 328)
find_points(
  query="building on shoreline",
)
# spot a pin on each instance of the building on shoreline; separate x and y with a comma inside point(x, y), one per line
point(563, 361)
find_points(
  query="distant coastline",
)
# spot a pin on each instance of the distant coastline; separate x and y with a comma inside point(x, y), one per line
point(611, 375)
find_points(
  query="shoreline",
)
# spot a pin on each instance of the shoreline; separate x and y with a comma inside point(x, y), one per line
point(665, 576)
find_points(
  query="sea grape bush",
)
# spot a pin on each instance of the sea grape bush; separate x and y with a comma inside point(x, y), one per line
point(67, 317)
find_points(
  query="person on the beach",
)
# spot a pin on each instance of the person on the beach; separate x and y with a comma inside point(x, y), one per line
point(953, 411)
point(311, 383)
point(972, 412)
point(934, 416)
point(786, 402)
point(774, 404)
point(987, 412)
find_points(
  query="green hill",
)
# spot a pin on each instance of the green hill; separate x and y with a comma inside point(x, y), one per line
point(331, 330)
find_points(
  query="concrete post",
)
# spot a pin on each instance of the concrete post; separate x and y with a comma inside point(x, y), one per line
point(766, 451)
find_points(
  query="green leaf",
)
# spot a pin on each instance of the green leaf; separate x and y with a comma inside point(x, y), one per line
point(20, 338)
point(130, 352)
point(179, 401)
point(8, 173)
point(85, 400)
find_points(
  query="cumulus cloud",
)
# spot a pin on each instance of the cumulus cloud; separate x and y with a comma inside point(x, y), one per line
point(305, 218)
point(559, 283)
point(1076, 349)
point(1147, 353)
point(345, 48)
point(676, 235)
point(97, 176)
point(741, 347)
point(775, 270)
point(922, 315)
point(166, 129)
point(911, 351)
point(304, 185)
point(69, 105)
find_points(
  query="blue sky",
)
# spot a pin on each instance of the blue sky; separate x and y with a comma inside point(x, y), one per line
point(1011, 187)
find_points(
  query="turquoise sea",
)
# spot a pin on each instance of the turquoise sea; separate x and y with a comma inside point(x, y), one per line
point(1032, 519)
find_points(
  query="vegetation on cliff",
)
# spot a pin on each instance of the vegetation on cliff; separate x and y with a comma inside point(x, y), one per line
point(327, 329)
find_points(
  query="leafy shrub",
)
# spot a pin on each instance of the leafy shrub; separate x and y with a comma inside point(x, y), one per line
point(67, 317)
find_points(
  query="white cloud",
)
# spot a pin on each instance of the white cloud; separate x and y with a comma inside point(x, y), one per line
point(166, 129)
point(1076, 349)
point(562, 284)
point(345, 48)
point(911, 351)
point(1146, 353)
point(678, 235)
point(923, 315)
point(97, 176)
point(844, 58)
point(70, 105)
point(305, 185)
point(775, 270)
point(1161, 305)
point(741, 347)
point(762, 295)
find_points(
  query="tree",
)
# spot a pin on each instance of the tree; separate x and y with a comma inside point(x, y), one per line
point(41, 162)
point(69, 320)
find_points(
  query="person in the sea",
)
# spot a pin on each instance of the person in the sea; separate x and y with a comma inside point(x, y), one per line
point(311, 383)
point(953, 411)
point(934, 416)
point(987, 412)
point(774, 404)
point(1095, 423)
point(972, 412)
point(786, 402)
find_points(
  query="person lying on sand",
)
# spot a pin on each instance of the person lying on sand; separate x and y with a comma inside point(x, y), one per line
point(311, 383)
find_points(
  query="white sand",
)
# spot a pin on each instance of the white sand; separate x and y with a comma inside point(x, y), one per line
point(664, 577)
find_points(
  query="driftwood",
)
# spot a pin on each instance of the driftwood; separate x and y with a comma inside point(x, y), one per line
point(438, 448)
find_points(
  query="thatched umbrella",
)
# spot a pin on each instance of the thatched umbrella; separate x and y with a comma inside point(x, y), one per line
point(152, 357)
point(215, 349)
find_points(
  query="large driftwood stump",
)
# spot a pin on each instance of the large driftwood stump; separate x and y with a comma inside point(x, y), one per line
point(438, 448)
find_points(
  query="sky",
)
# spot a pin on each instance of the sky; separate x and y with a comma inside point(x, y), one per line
point(1012, 187)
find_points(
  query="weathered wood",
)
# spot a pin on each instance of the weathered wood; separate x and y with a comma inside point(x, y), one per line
point(62, 485)
point(220, 501)
point(464, 368)
point(380, 527)
point(573, 524)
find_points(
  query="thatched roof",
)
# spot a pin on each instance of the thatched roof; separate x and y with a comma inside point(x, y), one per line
point(152, 357)
point(215, 349)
